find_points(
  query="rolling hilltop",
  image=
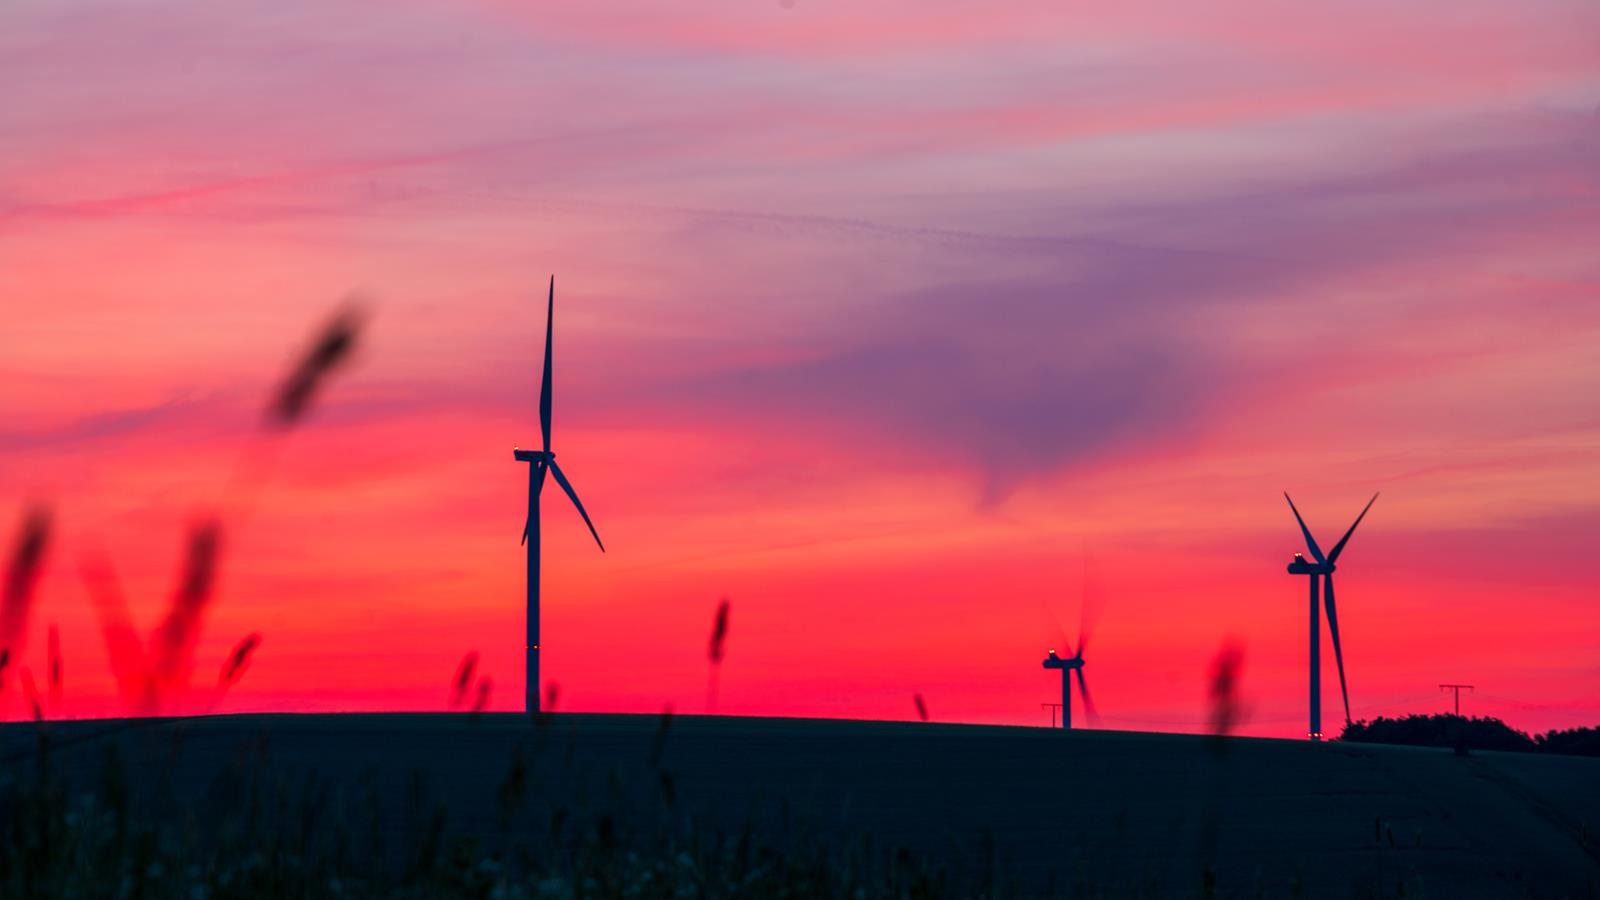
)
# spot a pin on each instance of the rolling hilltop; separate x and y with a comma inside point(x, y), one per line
point(999, 810)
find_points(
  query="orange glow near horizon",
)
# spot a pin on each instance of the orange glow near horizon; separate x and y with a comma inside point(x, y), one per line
point(913, 334)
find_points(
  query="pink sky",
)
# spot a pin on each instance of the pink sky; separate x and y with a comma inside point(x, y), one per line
point(895, 324)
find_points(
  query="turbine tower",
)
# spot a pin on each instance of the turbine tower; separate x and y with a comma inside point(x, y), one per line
point(1323, 568)
point(1067, 667)
point(540, 463)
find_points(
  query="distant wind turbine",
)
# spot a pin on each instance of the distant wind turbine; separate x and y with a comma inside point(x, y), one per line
point(1323, 568)
point(1067, 667)
point(540, 463)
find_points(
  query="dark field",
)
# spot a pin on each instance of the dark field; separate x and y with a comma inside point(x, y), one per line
point(1003, 811)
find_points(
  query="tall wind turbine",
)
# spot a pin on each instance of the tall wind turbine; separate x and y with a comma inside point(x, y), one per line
point(1323, 568)
point(540, 463)
point(1067, 667)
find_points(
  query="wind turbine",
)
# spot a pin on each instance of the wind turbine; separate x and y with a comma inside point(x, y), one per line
point(1323, 568)
point(1067, 667)
point(540, 463)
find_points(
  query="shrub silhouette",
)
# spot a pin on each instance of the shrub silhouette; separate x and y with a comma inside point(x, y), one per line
point(1444, 730)
point(1571, 741)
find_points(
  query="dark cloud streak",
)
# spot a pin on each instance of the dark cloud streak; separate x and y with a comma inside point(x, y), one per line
point(1125, 340)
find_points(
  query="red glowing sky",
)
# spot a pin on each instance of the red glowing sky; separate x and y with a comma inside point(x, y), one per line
point(904, 327)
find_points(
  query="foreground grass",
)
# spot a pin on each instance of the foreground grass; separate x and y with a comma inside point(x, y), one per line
point(255, 835)
point(419, 805)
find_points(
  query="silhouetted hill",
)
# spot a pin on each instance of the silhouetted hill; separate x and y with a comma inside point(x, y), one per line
point(661, 806)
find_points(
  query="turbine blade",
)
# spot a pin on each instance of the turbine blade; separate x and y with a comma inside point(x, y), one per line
point(1333, 629)
point(1311, 542)
point(567, 486)
point(1339, 547)
point(1061, 630)
point(535, 491)
point(544, 383)
point(1088, 705)
point(1085, 621)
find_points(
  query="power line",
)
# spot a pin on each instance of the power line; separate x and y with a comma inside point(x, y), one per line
point(1414, 701)
point(1524, 704)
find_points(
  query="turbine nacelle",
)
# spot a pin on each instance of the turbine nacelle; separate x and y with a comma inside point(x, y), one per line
point(1302, 566)
point(1055, 662)
point(1068, 667)
point(532, 456)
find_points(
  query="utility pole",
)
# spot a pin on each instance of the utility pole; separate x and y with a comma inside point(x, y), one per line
point(1457, 688)
point(1053, 707)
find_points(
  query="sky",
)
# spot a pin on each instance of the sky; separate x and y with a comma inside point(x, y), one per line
point(921, 332)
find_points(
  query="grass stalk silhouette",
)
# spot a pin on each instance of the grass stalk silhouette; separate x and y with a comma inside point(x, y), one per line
point(54, 674)
point(233, 668)
point(152, 675)
point(238, 660)
point(22, 579)
point(719, 638)
point(329, 350)
point(1226, 710)
point(481, 701)
point(173, 642)
point(31, 692)
point(462, 683)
